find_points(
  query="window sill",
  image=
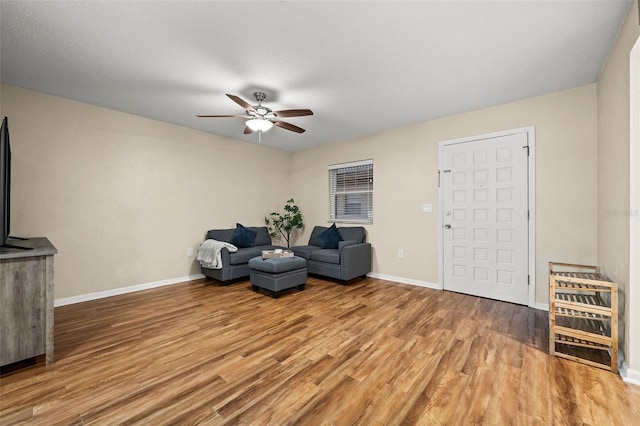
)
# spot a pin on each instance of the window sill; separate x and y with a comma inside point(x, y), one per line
point(360, 222)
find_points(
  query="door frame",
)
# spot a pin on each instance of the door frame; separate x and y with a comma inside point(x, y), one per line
point(530, 131)
point(632, 370)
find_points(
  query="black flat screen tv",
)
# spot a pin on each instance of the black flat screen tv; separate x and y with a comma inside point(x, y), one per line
point(5, 188)
point(5, 182)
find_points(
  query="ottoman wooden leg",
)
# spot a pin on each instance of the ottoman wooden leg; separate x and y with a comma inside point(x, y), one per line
point(301, 287)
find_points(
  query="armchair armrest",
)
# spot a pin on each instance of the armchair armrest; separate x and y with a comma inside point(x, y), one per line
point(355, 261)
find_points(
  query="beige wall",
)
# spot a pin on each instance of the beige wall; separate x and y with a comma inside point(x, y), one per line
point(405, 170)
point(613, 168)
point(123, 197)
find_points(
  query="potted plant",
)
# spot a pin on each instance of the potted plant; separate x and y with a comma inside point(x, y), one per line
point(284, 226)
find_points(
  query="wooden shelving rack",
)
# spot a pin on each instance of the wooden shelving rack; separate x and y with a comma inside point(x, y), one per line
point(583, 315)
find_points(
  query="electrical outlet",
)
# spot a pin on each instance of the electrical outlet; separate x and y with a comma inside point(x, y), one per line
point(400, 253)
point(190, 251)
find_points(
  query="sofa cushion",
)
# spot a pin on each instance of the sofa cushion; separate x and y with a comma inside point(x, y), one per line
point(243, 237)
point(326, 256)
point(314, 239)
point(353, 233)
point(330, 238)
point(262, 236)
point(243, 255)
point(305, 251)
point(221, 234)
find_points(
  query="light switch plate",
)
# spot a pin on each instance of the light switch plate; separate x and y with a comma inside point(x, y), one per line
point(427, 208)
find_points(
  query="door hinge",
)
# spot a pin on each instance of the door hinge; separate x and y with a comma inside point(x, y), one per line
point(528, 214)
point(444, 171)
point(527, 147)
point(528, 279)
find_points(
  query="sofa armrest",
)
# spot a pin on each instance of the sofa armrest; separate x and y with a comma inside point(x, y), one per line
point(355, 261)
point(343, 244)
point(224, 255)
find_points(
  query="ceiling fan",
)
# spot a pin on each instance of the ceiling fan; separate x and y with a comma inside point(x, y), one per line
point(260, 118)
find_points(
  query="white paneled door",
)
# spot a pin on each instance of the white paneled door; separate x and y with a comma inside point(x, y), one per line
point(485, 217)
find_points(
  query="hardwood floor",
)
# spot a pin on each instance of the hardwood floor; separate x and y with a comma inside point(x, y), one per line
point(370, 353)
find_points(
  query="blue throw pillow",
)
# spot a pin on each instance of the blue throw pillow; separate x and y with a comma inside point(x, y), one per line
point(330, 238)
point(243, 237)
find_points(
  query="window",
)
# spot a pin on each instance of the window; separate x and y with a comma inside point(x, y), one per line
point(351, 192)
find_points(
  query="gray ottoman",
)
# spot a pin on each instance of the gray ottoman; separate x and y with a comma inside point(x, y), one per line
point(277, 274)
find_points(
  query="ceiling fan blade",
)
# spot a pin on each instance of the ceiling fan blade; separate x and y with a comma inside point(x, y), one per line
point(221, 116)
point(247, 130)
point(288, 126)
point(293, 112)
point(244, 104)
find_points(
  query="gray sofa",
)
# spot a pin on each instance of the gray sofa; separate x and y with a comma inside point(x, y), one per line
point(351, 259)
point(235, 265)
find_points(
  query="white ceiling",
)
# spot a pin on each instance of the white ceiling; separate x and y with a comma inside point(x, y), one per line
point(361, 66)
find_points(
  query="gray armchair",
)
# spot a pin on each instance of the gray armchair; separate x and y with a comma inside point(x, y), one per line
point(351, 259)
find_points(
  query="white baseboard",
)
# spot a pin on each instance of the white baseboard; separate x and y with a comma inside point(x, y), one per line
point(405, 280)
point(541, 306)
point(123, 290)
point(628, 375)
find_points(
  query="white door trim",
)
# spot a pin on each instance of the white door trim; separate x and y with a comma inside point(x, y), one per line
point(531, 138)
point(632, 371)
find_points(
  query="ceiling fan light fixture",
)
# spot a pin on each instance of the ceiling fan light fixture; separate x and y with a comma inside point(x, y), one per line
point(259, 124)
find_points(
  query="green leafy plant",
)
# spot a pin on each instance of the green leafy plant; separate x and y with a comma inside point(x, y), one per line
point(285, 226)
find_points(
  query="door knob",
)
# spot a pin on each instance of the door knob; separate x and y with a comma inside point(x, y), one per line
point(447, 226)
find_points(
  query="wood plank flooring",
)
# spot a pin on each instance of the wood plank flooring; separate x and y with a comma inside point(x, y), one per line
point(369, 353)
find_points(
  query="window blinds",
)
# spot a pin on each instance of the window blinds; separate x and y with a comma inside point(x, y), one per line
point(351, 192)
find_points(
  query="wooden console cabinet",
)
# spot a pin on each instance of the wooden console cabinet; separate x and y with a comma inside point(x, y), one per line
point(26, 301)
